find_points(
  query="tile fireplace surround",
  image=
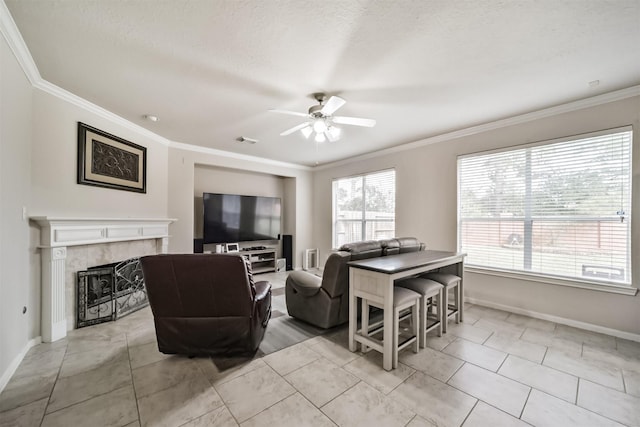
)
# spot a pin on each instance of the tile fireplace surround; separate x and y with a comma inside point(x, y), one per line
point(69, 244)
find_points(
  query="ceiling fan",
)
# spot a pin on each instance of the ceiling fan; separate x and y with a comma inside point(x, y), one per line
point(320, 119)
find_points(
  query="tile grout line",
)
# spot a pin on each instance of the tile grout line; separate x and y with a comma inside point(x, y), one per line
point(133, 384)
point(525, 403)
point(594, 412)
point(502, 363)
point(624, 383)
point(224, 404)
point(270, 406)
point(403, 381)
point(66, 348)
point(472, 409)
point(334, 398)
point(546, 350)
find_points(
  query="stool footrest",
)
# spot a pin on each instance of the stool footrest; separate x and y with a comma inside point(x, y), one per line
point(375, 329)
point(370, 342)
point(407, 342)
point(405, 315)
point(432, 326)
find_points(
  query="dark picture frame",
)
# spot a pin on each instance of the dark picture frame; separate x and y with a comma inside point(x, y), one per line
point(105, 160)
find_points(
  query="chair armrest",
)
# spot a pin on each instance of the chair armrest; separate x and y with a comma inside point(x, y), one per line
point(304, 283)
point(262, 290)
point(262, 303)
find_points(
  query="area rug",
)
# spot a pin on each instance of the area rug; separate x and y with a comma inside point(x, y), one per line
point(283, 330)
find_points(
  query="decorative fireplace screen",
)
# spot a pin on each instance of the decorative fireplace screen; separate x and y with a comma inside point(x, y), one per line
point(108, 292)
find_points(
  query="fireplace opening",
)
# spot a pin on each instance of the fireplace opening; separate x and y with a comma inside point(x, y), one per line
point(109, 292)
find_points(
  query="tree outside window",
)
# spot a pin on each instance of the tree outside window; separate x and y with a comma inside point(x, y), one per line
point(364, 207)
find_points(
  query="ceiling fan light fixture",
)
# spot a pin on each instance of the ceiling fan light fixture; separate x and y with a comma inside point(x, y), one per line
point(334, 132)
point(320, 119)
point(319, 125)
point(306, 131)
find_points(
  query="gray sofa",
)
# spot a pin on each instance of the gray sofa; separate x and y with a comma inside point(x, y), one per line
point(324, 301)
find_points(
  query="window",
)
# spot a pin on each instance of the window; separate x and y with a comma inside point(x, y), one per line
point(559, 208)
point(364, 207)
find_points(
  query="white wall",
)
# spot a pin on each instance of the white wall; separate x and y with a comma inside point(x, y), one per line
point(426, 208)
point(212, 179)
point(15, 183)
point(39, 170)
point(294, 183)
point(55, 191)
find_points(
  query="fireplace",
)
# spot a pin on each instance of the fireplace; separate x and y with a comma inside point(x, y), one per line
point(109, 292)
point(67, 243)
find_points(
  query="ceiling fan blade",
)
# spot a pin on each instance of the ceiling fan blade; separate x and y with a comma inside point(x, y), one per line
point(307, 131)
point(291, 113)
point(354, 121)
point(330, 136)
point(332, 105)
point(293, 129)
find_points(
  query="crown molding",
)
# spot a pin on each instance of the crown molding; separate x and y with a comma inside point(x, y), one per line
point(15, 41)
point(485, 127)
point(69, 97)
point(237, 156)
point(19, 48)
point(21, 51)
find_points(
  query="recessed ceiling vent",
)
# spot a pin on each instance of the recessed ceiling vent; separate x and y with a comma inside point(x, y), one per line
point(245, 140)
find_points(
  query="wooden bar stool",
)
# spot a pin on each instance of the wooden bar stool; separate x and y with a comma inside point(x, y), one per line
point(429, 291)
point(403, 299)
point(449, 281)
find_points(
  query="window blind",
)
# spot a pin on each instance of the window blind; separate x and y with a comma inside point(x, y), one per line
point(364, 207)
point(557, 208)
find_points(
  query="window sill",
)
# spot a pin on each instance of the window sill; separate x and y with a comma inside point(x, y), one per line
point(583, 284)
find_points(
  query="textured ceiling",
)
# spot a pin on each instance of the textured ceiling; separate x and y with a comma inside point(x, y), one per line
point(211, 69)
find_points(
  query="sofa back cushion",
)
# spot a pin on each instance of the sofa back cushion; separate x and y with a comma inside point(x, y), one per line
point(363, 250)
point(390, 247)
point(335, 277)
point(409, 244)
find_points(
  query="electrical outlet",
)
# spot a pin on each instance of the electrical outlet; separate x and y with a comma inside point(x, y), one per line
point(24, 213)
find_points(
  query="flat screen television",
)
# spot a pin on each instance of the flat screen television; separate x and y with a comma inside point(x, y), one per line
point(230, 218)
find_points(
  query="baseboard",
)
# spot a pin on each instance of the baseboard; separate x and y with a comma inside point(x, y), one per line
point(13, 366)
point(563, 321)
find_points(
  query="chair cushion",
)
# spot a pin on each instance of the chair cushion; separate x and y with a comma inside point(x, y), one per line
point(446, 279)
point(403, 295)
point(304, 283)
point(425, 287)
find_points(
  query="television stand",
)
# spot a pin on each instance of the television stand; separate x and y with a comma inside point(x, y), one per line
point(262, 260)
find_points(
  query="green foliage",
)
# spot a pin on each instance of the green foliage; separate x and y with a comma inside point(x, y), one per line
point(593, 186)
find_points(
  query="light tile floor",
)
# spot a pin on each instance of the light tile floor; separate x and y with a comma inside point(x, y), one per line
point(496, 369)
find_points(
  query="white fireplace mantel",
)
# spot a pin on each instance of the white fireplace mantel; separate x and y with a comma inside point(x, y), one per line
point(58, 233)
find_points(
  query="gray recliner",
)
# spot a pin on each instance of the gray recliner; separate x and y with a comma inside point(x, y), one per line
point(324, 301)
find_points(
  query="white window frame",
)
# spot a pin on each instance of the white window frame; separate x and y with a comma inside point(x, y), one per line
point(364, 220)
point(584, 283)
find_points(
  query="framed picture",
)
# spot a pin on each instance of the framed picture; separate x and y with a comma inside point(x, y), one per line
point(104, 160)
point(233, 247)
